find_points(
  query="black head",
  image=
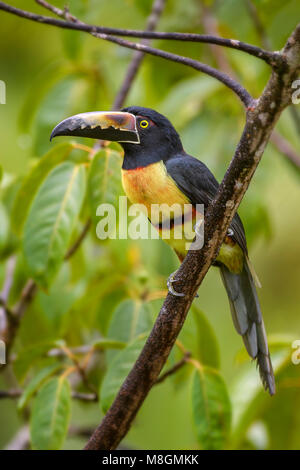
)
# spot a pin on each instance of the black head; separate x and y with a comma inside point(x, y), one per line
point(158, 138)
point(156, 133)
point(146, 135)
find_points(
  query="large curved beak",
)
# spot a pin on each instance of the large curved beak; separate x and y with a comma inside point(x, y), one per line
point(115, 126)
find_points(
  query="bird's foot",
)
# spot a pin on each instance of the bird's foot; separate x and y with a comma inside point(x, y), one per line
point(170, 287)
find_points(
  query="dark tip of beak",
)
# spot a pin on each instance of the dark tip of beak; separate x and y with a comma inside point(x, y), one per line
point(61, 129)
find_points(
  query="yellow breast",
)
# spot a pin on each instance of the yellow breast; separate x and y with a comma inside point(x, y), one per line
point(162, 201)
point(151, 185)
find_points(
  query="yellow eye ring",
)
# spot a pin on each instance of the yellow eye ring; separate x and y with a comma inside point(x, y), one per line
point(144, 124)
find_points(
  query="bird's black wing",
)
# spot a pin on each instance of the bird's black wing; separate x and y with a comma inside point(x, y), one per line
point(197, 182)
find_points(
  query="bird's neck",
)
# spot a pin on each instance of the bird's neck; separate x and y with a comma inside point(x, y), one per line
point(135, 157)
point(133, 160)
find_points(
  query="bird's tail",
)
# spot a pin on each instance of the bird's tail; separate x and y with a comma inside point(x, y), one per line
point(248, 321)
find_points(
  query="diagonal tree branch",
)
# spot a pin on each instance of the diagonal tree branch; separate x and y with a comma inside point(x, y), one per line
point(260, 122)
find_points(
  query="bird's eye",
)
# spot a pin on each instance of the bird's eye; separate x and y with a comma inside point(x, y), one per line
point(144, 124)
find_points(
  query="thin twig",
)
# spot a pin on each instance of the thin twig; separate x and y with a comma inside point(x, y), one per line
point(85, 396)
point(158, 6)
point(173, 369)
point(20, 441)
point(272, 58)
point(233, 85)
point(15, 316)
point(81, 369)
point(16, 393)
point(79, 240)
point(12, 393)
point(28, 294)
point(31, 288)
point(236, 87)
point(285, 148)
point(26, 297)
point(258, 24)
point(82, 350)
point(210, 27)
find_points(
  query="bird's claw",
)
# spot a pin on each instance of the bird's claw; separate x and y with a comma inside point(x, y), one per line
point(170, 287)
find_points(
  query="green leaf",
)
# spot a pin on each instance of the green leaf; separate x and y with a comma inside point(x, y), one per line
point(41, 84)
point(35, 383)
point(51, 414)
point(257, 218)
point(188, 96)
point(28, 357)
point(72, 43)
point(248, 395)
point(130, 319)
point(51, 220)
point(33, 181)
point(57, 104)
point(211, 408)
point(104, 182)
point(207, 346)
point(118, 370)
point(281, 413)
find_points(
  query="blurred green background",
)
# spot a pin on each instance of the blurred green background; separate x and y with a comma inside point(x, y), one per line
point(51, 74)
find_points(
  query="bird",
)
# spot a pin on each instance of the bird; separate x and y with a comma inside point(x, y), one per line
point(156, 170)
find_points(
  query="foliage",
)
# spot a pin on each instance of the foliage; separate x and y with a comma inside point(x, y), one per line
point(93, 311)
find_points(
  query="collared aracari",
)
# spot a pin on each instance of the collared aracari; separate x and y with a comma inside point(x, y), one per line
point(157, 170)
